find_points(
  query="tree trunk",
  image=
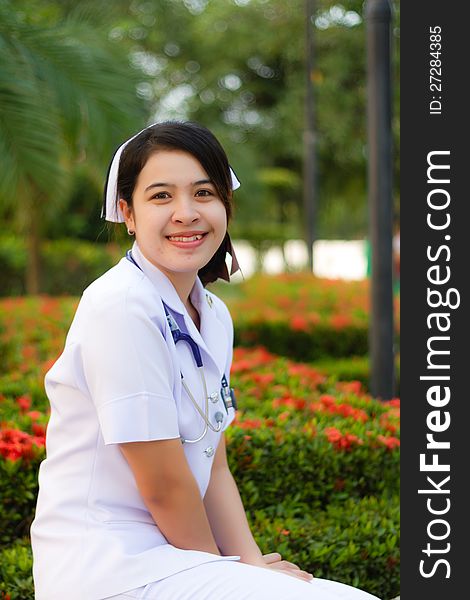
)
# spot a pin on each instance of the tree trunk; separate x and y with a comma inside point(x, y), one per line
point(33, 240)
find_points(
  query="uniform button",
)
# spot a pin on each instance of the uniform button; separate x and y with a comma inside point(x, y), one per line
point(214, 397)
point(209, 451)
point(209, 300)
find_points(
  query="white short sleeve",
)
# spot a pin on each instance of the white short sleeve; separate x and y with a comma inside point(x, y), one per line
point(128, 369)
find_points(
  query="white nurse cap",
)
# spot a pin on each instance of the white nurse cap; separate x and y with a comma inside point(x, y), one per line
point(110, 210)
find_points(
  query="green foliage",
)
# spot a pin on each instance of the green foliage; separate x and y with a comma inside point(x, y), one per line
point(16, 577)
point(308, 473)
point(322, 340)
point(350, 368)
point(69, 265)
point(355, 542)
point(18, 493)
point(67, 90)
point(329, 500)
point(252, 96)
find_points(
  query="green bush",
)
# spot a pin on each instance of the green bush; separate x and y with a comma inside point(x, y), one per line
point(18, 493)
point(68, 265)
point(305, 472)
point(16, 579)
point(322, 340)
point(351, 368)
point(356, 542)
point(13, 257)
point(313, 456)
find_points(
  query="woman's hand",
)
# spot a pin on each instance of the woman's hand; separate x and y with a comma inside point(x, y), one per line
point(274, 561)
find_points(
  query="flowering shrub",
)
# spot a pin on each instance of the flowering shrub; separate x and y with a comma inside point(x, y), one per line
point(303, 300)
point(15, 444)
point(306, 450)
point(320, 440)
point(301, 316)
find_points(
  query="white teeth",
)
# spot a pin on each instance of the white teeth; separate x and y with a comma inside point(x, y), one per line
point(191, 238)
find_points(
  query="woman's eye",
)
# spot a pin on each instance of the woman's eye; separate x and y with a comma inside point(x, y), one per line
point(204, 193)
point(161, 196)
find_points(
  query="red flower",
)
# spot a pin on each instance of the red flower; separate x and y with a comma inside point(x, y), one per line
point(24, 402)
point(340, 321)
point(350, 387)
point(340, 441)
point(299, 323)
point(38, 429)
point(333, 434)
point(28, 352)
point(327, 400)
point(308, 375)
point(16, 444)
point(263, 379)
point(390, 442)
point(34, 415)
point(250, 424)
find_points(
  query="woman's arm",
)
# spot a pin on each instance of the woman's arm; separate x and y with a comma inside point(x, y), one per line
point(229, 524)
point(171, 493)
point(226, 513)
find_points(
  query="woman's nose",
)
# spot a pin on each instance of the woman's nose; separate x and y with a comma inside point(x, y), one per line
point(185, 211)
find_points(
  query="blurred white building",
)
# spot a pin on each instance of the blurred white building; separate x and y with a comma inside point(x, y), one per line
point(332, 259)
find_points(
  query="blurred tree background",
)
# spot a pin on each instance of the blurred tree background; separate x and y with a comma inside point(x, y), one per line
point(78, 77)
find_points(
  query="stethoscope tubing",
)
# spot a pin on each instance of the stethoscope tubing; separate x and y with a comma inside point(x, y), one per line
point(178, 336)
point(207, 423)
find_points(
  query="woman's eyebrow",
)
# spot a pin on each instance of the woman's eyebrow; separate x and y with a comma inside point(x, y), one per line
point(162, 184)
point(159, 184)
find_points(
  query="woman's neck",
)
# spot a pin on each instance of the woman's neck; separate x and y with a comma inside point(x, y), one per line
point(193, 313)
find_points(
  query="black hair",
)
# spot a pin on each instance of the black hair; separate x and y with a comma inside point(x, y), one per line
point(201, 143)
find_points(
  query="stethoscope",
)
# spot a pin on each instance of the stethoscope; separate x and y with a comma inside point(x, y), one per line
point(227, 393)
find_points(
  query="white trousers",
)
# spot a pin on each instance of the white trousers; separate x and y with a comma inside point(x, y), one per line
point(230, 580)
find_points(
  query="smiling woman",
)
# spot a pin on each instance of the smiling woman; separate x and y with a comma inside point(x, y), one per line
point(136, 499)
point(179, 225)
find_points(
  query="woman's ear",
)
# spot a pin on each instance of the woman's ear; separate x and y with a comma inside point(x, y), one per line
point(128, 213)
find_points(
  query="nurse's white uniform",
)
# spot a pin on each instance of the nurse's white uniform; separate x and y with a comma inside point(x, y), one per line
point(118, 380)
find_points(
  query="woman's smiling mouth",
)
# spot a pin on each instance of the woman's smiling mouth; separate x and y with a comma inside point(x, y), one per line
point(187, 239)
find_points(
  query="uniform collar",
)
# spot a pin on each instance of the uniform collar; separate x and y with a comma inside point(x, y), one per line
point(213, 332)
point(164, 286)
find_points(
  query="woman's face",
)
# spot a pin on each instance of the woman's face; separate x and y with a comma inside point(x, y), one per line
point(178, 217)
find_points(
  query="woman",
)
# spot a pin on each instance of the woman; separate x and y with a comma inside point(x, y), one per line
point(136, 498)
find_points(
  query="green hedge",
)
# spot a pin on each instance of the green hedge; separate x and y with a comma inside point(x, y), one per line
point(355, 368)
point(18, 493)
point(16, 578)
point(316, 458)
point(68, 265)
point(306, 471)
point(356, 543)
point(308, 346)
